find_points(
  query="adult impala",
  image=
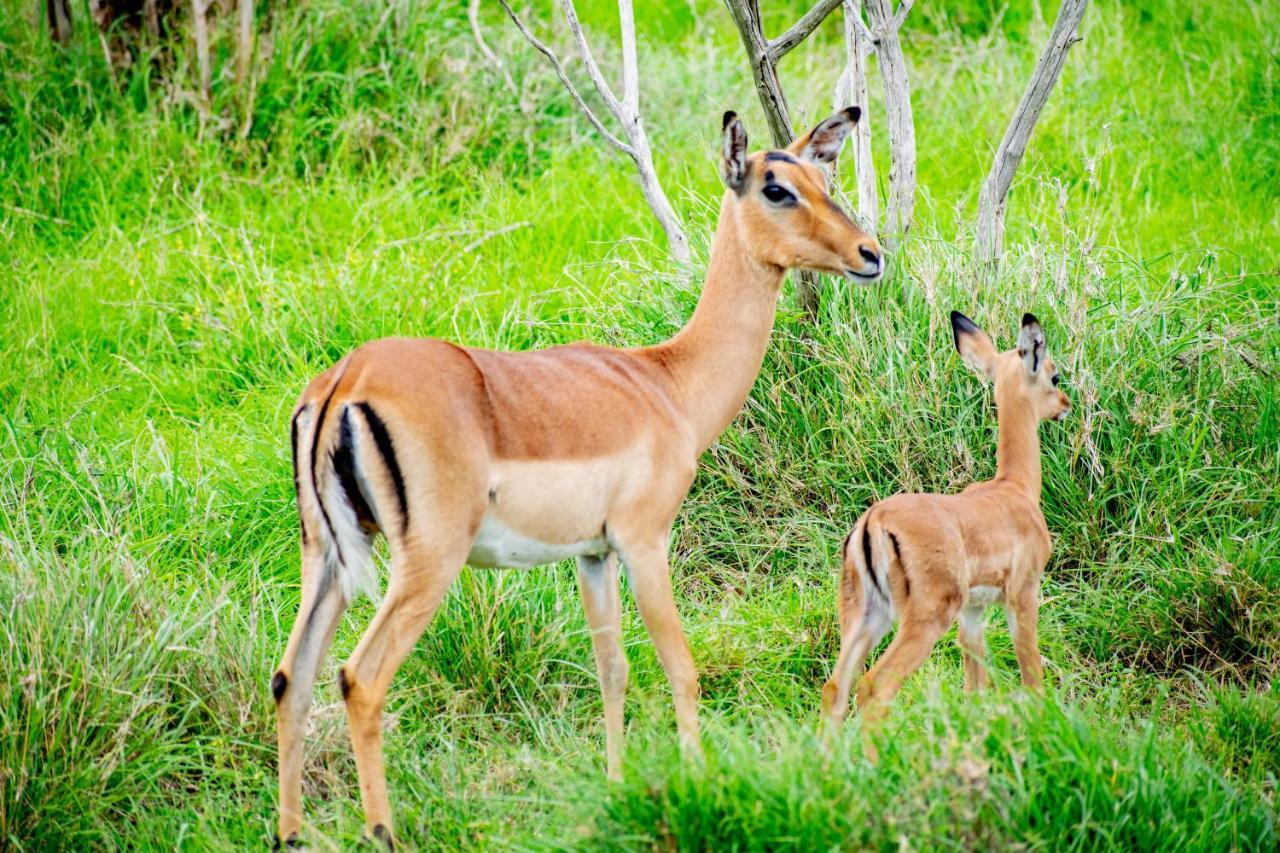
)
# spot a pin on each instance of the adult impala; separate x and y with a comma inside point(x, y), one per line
point(461, 455)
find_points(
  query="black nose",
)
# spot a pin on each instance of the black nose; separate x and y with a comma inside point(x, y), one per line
point(869, 255)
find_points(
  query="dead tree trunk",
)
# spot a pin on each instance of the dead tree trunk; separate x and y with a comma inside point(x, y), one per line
point(59, 14)
point(763, 55)
point(885, 25)
point(851, 88)
point(995, 189)
point(626, 111)
point(201, 25)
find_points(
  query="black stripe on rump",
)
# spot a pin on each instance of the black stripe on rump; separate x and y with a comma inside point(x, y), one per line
point(315, 452)
point(343, 458)
point(866, 556)
point(382, 439)
point(897, 552)
point(297, 483)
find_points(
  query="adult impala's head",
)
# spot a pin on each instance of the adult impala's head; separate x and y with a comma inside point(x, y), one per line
point(783, 213)
point(1026, 372)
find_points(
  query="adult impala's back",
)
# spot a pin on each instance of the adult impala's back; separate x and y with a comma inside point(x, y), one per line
point(461, 455)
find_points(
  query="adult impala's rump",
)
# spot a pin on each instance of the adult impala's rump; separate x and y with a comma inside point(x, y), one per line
point(459, 455)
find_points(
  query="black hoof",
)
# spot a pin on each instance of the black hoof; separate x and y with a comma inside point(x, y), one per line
point(381, 833)
point(290, 843)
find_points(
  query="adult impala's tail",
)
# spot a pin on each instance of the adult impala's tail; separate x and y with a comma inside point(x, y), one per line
point(334, 475)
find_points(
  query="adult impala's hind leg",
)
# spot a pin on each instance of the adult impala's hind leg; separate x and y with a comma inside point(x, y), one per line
point(318, 614)
point(419, 581)
point(598, 583)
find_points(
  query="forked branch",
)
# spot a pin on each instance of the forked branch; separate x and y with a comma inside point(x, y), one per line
point(995, 189)
point(626, 111)
point(763, 55)
point(885, 24)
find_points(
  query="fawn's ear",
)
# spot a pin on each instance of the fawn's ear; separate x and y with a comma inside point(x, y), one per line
point(822, 144)
point(1031, 343)
point(733, 163)
point(973, 345)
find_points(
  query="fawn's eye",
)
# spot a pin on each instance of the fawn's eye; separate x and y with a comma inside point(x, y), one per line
point(1055, 380)
point(778, 195)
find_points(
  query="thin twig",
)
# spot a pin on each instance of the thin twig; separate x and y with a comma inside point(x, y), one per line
point(800, 31)
point(564, 79)
point(473, 15)
point(593, 70)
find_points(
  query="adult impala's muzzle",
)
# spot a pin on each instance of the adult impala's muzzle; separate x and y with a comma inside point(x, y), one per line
point(872, 266)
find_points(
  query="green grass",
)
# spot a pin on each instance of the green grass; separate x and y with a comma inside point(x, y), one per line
point(166, 290)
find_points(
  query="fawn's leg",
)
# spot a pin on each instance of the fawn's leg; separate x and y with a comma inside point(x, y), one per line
point(864, 633)
point(969, 635)
point(1023, 612)
point(598, 584)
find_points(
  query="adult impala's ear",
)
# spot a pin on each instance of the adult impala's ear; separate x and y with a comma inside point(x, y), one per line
point(1031, 343)
point(733, 163)
point(822, 144)
point(973, 345)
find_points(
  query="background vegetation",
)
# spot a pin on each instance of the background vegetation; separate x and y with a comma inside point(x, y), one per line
point(166, 290)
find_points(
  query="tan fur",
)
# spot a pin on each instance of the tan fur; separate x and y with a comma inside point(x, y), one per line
point(511, 458)
point(939, 557)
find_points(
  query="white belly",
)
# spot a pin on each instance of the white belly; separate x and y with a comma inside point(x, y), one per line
point(498, 546)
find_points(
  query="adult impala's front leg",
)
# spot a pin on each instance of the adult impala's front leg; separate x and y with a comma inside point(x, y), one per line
point(419, 581)
point(598, 583)
point(650, 576)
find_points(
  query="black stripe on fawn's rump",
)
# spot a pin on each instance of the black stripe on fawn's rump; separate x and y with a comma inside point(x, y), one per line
point(866, 556)
point(344, 465)
point(897, 552)
point(382, 439)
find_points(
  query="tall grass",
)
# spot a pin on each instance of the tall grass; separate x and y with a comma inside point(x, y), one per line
point(166, 288)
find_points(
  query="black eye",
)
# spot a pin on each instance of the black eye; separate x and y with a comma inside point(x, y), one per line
point(1056, 379)
point(777, 194)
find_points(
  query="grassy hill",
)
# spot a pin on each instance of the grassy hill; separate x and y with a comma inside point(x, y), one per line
point(167, 288)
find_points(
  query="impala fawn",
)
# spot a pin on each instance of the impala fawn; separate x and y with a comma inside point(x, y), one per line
point(465, 455)
point(929, 559)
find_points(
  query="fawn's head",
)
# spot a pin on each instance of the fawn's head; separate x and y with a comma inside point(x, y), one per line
point(1026, 371)
point(785, 217)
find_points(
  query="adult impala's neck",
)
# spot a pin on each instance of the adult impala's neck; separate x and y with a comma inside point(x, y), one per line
point(1018, 448)
point(714, 359)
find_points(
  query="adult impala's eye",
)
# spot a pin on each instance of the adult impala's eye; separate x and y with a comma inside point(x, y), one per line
point(778, 195)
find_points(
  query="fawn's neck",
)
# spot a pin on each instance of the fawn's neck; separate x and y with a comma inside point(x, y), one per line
point(714, 359)
point(1018, 445)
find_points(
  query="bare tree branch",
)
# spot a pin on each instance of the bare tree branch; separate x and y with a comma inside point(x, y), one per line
point(593, 70)
point(763, 56)
point(995, 189)
point(783, 44)
point(473, 16)
point(885, 25)
point(564, 79)
point(851, 88)
point(198, 10)
point(626, 112)
point(59, 14)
